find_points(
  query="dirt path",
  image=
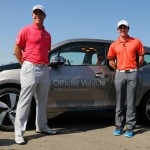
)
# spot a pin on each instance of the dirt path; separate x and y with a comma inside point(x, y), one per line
point(88, 134)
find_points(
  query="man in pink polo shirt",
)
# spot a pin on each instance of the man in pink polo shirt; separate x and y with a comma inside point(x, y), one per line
point(32, 45)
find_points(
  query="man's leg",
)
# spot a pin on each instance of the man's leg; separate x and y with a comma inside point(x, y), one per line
point(120, 84)
point(131, 100)
point(22, 112)
point(27, 91)
point(41, 100)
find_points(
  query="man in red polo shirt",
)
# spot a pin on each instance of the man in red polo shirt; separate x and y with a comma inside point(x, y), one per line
point(122, 57)
point(32, 45)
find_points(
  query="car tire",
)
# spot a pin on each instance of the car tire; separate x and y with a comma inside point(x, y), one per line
point(145, 110)
point(8, 103)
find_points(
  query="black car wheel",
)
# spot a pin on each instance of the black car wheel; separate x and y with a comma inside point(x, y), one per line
point(8, 103)
point(145, 109)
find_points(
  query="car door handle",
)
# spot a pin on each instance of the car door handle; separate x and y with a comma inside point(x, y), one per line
point(101, 75)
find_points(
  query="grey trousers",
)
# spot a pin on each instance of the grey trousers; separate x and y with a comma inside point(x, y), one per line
point(34, 82)
point(126, 86)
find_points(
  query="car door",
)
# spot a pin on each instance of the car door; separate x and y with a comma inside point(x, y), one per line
point(83, 81)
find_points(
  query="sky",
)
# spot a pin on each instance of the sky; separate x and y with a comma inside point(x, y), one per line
point(68, 19)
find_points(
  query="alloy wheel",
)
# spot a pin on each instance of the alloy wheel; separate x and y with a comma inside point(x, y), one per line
point(8, 104)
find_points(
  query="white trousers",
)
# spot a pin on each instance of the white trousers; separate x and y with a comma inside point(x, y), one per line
point(34, 82)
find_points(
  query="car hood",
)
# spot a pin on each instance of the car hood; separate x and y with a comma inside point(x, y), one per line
point(10, 66)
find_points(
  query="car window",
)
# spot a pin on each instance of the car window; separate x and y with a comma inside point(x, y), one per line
point(88, 53)
point(73, 58)
point(146, 59)
point(98, 59)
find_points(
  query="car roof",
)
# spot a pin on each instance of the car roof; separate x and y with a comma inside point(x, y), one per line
point(147, 49)
point(79, 40)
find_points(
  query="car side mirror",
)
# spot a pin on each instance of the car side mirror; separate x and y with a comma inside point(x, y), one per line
point(57, 61)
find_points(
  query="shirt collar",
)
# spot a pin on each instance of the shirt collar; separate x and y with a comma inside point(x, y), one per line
point(128, 39)
point(36, 27)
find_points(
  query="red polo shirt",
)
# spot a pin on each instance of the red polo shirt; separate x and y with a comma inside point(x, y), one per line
point(125, 53)
point(35, 44)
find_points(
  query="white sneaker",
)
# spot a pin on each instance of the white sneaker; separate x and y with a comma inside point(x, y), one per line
point(19, 139)
point(47, 131)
